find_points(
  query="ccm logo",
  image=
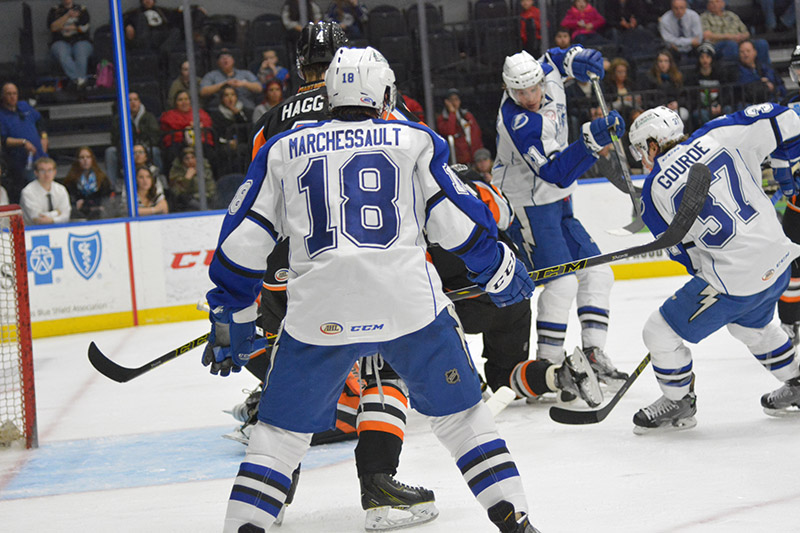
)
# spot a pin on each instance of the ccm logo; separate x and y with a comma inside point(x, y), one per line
point(367, 327)
point(331, 328)
point(190, 259)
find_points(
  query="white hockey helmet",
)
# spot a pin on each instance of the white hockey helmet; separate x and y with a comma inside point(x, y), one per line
point(660, 123)
point(360, 77)
point(521, 71)
point(794, 65)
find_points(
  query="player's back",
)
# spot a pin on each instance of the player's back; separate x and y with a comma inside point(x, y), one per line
point(353, 205)
point(737, 244)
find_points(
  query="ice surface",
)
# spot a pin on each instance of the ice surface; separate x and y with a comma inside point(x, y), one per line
point(147, 455)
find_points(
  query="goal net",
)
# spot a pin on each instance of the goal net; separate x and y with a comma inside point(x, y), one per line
point(17, 397)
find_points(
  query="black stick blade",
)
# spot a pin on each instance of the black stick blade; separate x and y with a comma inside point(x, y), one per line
point(109, 368)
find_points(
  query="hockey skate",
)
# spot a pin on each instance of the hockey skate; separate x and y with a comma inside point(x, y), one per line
point(784, 401)
point(606, 372)
point(502, 515)
point(246, 413)
point(381, 493)
point(577, 377)
point(666, 415)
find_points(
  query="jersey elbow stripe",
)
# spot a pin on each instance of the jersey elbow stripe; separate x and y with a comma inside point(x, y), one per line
point(236, 269)
point(262, 221)
point(433, 201)
point(473, 238)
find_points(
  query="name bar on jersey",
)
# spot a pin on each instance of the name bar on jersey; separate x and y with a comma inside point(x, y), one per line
point(682, 165)
point(315, 142)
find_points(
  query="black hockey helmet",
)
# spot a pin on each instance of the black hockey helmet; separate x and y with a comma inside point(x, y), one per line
point(318, 42)
point(794, 65)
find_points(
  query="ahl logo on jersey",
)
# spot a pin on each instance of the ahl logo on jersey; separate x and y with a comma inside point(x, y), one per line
point(282, 275)
point(331, 328)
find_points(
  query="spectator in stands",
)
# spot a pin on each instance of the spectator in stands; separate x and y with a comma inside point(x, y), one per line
point(584, 21)
point(177, 127)
point(150, 200)
point(758, 81)
point(666, 77)
point(70, 43)
point(562, 38)
point(530, 24)
point(351, 15)
point(150, 27)
point(709, 76)
point(772, 22)
point(244, 81)
point(232, 124)
point(268, 69)
point(145, 129)
point(44, 200)
point(88, 186)
point(183, 185)
point(459, 127)
point(625, 18)
point(483, 164)
point(141, 158)
point(181, 83)
point(681, 29)
point(290, 15)
point(412, 105)
point(273, 95)
point(619, 87)
point(23, 137)
point(725, 30)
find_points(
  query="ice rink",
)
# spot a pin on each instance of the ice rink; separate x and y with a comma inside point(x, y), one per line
point(147, 455)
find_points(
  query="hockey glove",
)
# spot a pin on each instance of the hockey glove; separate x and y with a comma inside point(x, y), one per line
point(230, 343)
point(597, 133)
point(783, 175)
point(586, 61)
point(506, 279)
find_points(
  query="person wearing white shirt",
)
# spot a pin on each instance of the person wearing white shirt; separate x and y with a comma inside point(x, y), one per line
point(43, 200)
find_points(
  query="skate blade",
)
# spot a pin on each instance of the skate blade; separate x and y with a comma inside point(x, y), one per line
point(785, 412)
point(379, 518)
point(679, 425)
point(238, 436)
point(589, 388)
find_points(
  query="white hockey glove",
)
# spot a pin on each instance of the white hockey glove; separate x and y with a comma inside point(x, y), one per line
point(506, 279)
point(232, 340)
point(597, 133)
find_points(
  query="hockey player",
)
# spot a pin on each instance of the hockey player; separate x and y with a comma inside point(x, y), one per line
point(506, 331)
point(353, 196)
point(736, 251)
point(789, 304)
point(377, 414)
point(537, 168)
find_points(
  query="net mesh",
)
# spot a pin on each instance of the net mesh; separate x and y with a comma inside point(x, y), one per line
point(16, 372)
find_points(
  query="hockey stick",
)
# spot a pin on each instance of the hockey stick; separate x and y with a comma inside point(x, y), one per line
point(694, 196)
point(567, 416)
point(623, 164)
point(122, 374)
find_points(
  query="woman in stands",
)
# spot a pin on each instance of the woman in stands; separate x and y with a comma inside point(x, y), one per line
point(620, 87)
point(273, 95)
point(151, 202)
point(88, 186)
point(665, 77)
point(351, 15)
point(177, 124)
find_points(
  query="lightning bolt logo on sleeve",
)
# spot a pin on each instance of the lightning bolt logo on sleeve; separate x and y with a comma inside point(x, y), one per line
point(710, 299)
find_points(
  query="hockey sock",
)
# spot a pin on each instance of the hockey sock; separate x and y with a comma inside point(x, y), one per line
point(265, 476)
point(772, 347)
point(672, 359)
point(528, 379)
point(552, 314)
point(381, 427)
point(594, 326)
point(593, 300)
point(482, 456)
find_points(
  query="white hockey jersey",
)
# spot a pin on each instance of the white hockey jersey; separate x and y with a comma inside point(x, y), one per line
point(737, 244)
point(353, 198)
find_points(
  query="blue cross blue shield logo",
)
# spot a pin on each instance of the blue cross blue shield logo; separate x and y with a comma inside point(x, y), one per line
point(43, 260)
point(85, 252)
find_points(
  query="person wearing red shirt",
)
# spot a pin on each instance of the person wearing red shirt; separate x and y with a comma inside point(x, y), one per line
point(583, 19)
point(459, 127)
